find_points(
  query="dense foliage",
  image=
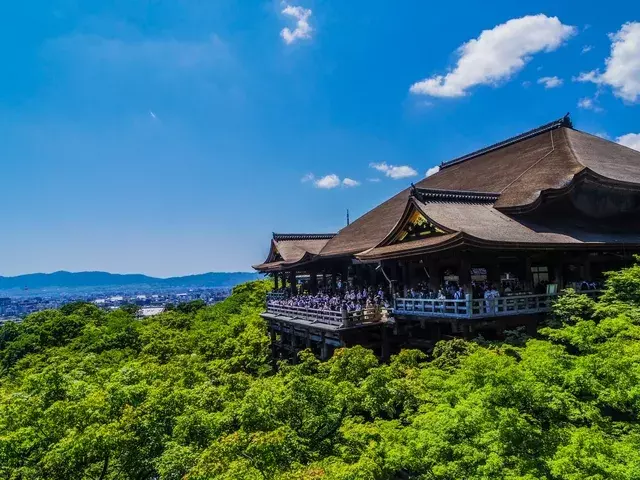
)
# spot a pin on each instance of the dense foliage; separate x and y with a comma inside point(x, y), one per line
point(191, 394)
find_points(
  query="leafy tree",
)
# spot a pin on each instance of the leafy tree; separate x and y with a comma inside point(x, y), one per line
point(130, 308)
point(190, 394)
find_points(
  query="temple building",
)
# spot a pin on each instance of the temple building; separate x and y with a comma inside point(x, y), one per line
point(486, 244)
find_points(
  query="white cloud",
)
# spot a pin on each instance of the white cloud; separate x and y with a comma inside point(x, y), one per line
point(432, 171)
point(631, 140)
point(373, 180)
point(152, 115)
point(308, 177)
point(394, 171)
point(587, 48)
point(622, 72)
point(601, 135)
point(348, 182)
point(550, 82)
point(303, 30)
point(497, 54)
point(526, 84)
point(328, 181)
point(589, 104)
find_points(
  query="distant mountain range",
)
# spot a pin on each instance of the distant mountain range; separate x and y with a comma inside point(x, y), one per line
point(64, 279)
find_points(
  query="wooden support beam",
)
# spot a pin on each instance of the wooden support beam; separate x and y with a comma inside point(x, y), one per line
point(294, 350)
point(464, 272)
point(294, 283)
point(384, 354)
point(313, 282)
point(324, 348)
point(274, 346)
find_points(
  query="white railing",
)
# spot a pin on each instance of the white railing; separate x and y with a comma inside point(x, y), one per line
point(338, 318)
point(478, 308)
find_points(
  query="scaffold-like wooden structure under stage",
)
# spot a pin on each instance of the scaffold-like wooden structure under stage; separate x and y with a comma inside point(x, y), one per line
point(485, 244)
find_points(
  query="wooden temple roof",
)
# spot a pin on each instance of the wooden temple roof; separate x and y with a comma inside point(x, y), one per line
point(289, 249)
point(479, 224)
point(506, 177)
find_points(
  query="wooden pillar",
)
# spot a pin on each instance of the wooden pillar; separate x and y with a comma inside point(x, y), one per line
point(493, 272)
point(467, 332)
point(373, 277)
point(464, 272)
point(437, 333)
point(384, 353)
point(405, 278)
point(324, 348)
point(294, 283)
point(283, 277)
point(528, 274)
point(313, 282)
point(308, 339)
point(275, 280)
point(294, 351)
point(586, 267)
point(345, 276)
point(557, 272)
point(434, 274)
point(324, 280)
point(334, 282)
point(274, 346)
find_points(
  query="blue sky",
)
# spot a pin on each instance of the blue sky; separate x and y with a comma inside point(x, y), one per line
point(173, 137)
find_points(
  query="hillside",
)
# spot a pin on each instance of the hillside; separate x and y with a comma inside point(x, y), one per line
point(86, 393)
point(64, 279)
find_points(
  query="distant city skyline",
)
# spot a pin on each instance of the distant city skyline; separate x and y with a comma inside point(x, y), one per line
point(173, 137)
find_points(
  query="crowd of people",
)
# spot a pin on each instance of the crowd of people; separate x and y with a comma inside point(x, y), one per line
point(357, 299)
point(350, 299)
point(453, 291)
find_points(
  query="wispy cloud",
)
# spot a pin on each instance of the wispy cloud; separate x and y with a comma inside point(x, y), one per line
point(394, 171)
point(328, 181)
point(156, 53)
point(587, 48)
point(631, 140)
point(308, 178)
point(349, 182)
point(550, 82)
point(302, 30)
point(589, 104)
point(496, 55)
point(622, 72)
point(373, 180)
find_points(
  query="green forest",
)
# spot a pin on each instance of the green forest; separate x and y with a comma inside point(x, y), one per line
point(191, 394)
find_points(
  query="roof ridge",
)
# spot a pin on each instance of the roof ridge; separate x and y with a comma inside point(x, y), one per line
point(278, 237)
point(423, 194)
point(562, 122)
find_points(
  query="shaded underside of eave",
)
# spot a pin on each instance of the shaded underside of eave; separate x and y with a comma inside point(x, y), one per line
point(440, 242)
point(480, 225)
point(461, 240)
